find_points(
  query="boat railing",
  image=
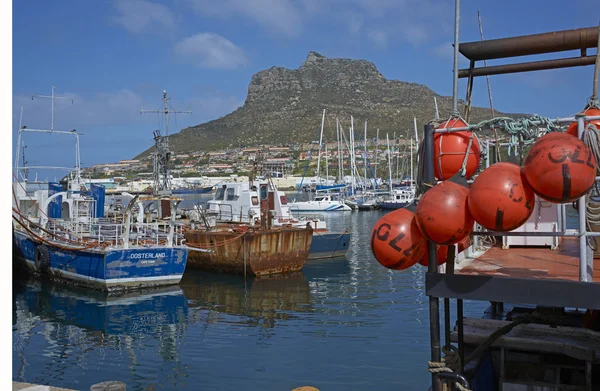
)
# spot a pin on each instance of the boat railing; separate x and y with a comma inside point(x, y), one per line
point(113, 234)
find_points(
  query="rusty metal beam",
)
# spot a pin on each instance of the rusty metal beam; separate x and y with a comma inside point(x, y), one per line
point(529, 66)
point(558, 41)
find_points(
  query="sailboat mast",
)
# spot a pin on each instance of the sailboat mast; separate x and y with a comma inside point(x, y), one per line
point(366, 154)
point(411, 161)
point(326, 165)
point(352, 154)
point(339, 138)
point(320, 143)
point(376, 154)
point(389, 160)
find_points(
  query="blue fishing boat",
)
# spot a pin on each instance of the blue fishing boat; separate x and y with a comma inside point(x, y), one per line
point(61, 232)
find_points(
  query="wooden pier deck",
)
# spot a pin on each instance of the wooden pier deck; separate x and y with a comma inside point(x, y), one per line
point(531, 262)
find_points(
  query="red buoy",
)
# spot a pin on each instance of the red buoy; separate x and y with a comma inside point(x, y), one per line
point(443, 215)
point(592, 111)
point(500, 199)
point(396, 240)
point(442, 255)
point(560, 168)
point(442, 252)
point(449, 151)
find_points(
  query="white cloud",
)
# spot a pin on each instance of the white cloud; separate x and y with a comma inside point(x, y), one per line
point(279, 16)
point(139, 16)
point(208, 50)
point(378, 36)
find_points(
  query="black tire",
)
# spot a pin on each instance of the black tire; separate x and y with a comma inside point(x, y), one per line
point(42, 259)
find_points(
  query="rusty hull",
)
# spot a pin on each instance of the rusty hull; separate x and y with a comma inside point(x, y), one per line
point(278, 250)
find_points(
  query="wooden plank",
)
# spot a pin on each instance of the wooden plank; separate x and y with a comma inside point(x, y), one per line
point(581, 344)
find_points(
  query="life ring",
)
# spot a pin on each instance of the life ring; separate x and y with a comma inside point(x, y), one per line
point(42, 258)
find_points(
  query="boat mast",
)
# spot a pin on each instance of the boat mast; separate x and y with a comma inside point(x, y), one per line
point(365, 159)
point(353, 156)
point(326, 165)
point(437, 113)
point(340, 172)
point(411, 161)
point(52, 97)
point(376, 155)
point(389, 161)
point(320, 143)
point(163, 154)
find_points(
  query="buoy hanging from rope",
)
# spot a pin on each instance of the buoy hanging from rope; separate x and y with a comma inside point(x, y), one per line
point(560, 168)
point(442, 256)
point(442, 252)
point(592, 111)
point(442, 213)
point(449, 150)
point(396, 241)
point(500, 199)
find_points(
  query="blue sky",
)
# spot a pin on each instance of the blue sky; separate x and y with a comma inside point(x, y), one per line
point(113, 57)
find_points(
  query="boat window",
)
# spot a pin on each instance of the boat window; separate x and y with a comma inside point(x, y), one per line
point(263, 192)
point(254, 200)
point(319, 198)
point(231, 194)
point(283, 199)
point(220, 193)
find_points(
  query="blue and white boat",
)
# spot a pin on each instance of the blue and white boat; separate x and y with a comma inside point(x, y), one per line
point(62, 233)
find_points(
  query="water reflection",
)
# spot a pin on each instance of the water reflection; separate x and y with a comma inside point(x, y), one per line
point(258, 301)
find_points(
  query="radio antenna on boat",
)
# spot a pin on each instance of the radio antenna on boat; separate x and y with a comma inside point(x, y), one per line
point(162, 174)
point(52, 97)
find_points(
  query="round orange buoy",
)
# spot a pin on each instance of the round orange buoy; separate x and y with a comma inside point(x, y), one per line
point(442, 256)
point(442, 252)
point(396, 240)
point(592, 111)
point(464, 244)
point(443, 215)
point(449, 151)
point(500, 199)
point(560, 168)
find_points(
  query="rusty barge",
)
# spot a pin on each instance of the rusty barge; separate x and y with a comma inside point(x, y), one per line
point(250, 250)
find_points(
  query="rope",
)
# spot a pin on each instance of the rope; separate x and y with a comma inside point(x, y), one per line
point(337, 237)
point(451, 361)
point(214, 245)
point(463, 170)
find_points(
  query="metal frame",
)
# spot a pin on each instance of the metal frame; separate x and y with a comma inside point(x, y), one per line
point(582, 294)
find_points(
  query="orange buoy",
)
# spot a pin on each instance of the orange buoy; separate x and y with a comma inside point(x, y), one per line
point(592, 111)
point(449, 151)
point(443, 215)
point(464, 244)
point(560, 168)
point(500, 199)
point(442, 252)
point(442, 256)
point(396, 240)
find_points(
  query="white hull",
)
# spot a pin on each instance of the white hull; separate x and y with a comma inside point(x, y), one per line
point(319, 206)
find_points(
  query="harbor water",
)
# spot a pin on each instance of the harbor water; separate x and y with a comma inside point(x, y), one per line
point(341, 324)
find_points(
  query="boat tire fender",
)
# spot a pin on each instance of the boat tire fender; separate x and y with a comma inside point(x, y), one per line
point(42, 258)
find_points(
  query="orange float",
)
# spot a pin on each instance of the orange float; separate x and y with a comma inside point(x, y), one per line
point(443, 215)
point(500, 199)
point(449, 151)
point(396, 241)
point(442, 252)
point(592, 111)
point(560, 168)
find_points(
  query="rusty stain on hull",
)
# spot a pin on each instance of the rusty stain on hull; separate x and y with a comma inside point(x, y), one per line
point(273, 251)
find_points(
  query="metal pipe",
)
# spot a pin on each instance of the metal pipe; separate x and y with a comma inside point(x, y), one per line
point(456, 47)
point(596, 70)
point(456, 377)
point(469, 92)
point(582, 214)
point(528, 66)
point(434, 304)
point(557, 41)
point(461, 337)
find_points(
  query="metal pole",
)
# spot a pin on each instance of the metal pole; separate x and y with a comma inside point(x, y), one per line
point(469, 91)
point(596, 70)
point(456, 34)
point(461, 344)
point(485, 65)
point(582, 214)
point(320, 143)
point(449, 270)
point(434, 303)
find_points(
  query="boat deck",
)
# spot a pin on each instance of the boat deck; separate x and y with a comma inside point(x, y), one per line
point(531, 262)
